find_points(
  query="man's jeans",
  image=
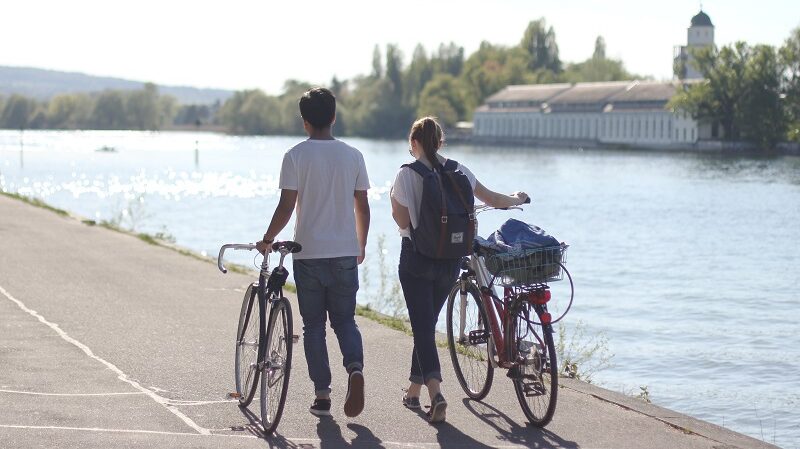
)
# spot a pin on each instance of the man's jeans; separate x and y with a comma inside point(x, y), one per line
point(327, 287)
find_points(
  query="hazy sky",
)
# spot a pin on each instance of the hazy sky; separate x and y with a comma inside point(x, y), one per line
point(239, 44)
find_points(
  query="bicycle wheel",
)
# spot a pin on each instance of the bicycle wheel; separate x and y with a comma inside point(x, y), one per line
point(247, 347)
point(536, 381)
point(468, 339)
point(277, 364)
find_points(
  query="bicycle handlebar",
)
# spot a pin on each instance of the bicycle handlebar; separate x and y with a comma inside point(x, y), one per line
point(234, 246)
point(484, 207)
point(284, 248)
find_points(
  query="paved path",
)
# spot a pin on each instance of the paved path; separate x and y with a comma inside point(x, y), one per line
point(106, 341)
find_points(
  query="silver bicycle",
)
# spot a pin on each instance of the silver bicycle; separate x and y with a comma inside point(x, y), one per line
point(264, 336)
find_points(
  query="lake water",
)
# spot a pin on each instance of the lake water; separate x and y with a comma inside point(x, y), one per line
point(688, 264)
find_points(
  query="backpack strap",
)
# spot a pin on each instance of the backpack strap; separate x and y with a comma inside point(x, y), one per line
point(418, 167)
point(450, 165)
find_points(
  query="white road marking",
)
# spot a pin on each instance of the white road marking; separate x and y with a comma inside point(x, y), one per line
point(158, 432)
point(36, 393)
point(98, 429)
point(120, 375)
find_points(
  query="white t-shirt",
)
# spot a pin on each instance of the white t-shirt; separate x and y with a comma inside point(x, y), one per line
point(407, 190)
point(326, 174)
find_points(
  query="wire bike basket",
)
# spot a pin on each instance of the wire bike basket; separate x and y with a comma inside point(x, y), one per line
point(527, 266)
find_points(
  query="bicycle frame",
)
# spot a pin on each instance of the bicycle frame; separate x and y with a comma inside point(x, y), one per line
point(268, 288)
point(498, 310)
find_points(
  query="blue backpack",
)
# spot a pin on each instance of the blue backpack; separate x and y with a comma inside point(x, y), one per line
point(446, 225)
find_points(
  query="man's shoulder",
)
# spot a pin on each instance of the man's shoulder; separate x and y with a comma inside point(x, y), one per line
point(348, 147)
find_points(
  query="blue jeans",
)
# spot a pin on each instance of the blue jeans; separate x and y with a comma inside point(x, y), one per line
point(426, 283)
point(327, 288)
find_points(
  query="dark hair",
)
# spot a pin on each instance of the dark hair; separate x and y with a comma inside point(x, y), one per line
point(318, 107)
point(429, 134)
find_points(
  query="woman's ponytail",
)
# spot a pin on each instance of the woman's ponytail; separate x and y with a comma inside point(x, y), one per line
point(429, 134)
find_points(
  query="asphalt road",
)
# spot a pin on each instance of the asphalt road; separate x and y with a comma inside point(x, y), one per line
point(107, 341)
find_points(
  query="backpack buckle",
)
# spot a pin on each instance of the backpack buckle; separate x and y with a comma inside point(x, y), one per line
point(444, 218)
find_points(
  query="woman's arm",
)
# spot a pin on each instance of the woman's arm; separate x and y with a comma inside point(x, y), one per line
point(496, 199)
point(400, 215)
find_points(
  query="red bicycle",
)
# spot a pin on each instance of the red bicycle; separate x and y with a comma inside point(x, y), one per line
point(513, 332)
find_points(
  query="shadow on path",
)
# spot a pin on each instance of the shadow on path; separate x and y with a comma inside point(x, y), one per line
point(273, 441)
point(510, 432)
point(330, 435)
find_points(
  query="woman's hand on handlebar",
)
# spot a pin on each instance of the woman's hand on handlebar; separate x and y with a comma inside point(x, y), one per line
point(522, 197)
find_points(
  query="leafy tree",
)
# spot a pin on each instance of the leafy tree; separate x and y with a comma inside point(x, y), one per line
point(250, 112)
point(790, 59)
point(109, 111)
point(418, 73)
point(143, 109)
point(377, 65)
point(442, 97)
point(287, 113)
point(763, 119)
point(596, 68)
point(448, 59)
point(741, 93)
point(539, 43)
point(17, 112)
point(599, 48)
point(70, 111)
point(492, 68)
point(394, 69)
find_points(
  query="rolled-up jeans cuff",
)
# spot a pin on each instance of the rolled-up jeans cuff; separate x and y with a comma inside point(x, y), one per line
point(434, 375)
point(416, 379)
point(323, 392)
point(355, 366)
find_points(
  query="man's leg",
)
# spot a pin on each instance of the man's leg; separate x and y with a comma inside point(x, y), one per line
point(311, 298)
point(342, 310)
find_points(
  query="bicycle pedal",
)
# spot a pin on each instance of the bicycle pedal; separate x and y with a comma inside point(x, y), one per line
point(295, 338)
point(514, 373)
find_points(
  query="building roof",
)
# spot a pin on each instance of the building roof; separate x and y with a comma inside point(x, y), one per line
point(530, 93)
point(589, 92)
point(584, 97)
point(701, 20)
point(645, 91)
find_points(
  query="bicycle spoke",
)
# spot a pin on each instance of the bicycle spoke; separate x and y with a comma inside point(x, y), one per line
point(536, 379)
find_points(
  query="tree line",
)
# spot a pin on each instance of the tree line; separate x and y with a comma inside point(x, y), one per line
point(752, 92)
point(444, 82)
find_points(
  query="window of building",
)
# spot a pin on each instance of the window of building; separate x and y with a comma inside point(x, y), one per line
point(692, 134)
point(684, 134)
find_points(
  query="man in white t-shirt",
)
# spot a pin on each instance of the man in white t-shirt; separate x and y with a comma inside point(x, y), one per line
point(326, 180)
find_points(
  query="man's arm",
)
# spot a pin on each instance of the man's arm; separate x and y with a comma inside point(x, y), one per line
point(362, 221)
point(280, 218)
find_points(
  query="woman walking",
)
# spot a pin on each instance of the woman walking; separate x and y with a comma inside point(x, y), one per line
point(426, 281)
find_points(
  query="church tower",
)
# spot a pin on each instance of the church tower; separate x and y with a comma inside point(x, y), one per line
point(700, 34)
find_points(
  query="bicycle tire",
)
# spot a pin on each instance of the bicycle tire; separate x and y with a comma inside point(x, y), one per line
point(247, 341)
point(275, 381)
point(472, 361)
point(536, 382)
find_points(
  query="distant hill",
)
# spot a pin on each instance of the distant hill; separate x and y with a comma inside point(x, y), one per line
point(43, 84)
